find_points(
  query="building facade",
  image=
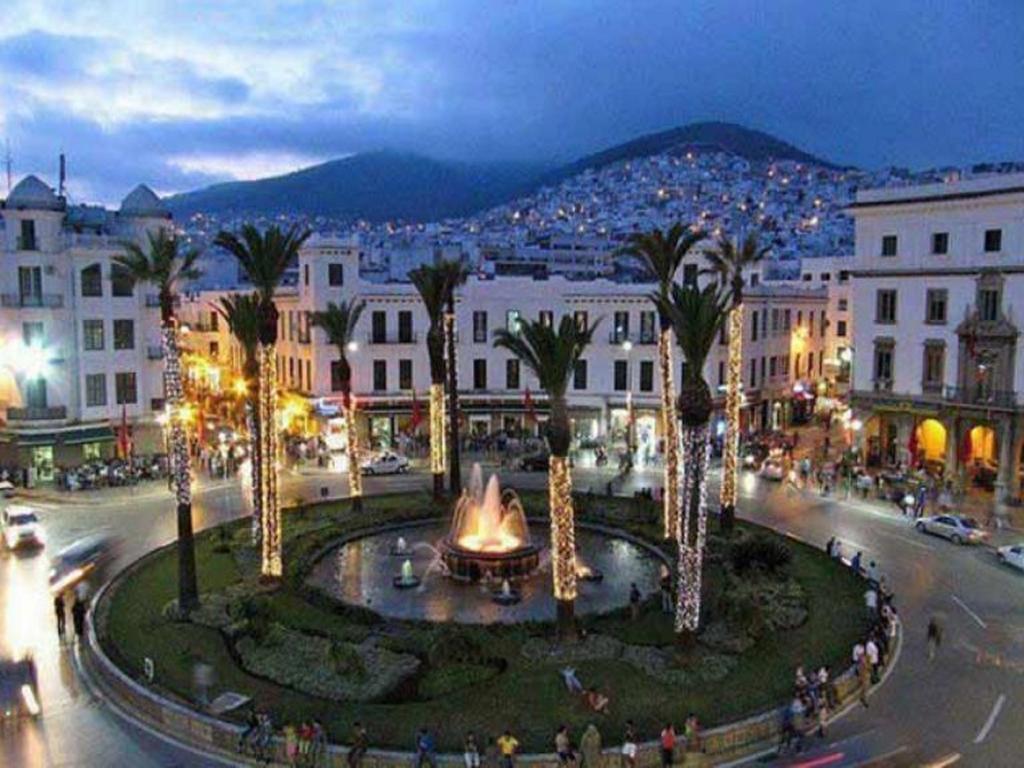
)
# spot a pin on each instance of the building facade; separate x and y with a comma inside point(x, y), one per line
point(80, 345)
point(832, 274)
point(937, 365)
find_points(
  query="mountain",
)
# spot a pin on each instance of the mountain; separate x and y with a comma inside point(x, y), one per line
point(376, 186)
point(382, 186)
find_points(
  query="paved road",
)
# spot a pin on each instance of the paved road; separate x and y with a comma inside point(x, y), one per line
point(968, 703)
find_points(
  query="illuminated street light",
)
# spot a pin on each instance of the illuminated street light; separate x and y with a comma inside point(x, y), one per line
point(627, 345)
point(352, 346)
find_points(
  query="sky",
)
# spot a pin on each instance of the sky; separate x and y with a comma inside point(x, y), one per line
point(182, 93)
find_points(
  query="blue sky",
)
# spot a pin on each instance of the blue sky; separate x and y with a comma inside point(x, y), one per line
point(180, 94)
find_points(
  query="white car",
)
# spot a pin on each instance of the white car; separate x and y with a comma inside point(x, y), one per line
point(957, 528)
point(21, 527)
point(1012, 555)
point(386, 464)
point(772, 470)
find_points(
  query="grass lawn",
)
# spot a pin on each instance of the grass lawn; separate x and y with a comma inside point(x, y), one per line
point(525, 695)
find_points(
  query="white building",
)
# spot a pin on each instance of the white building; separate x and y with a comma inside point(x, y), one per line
point(938, 271)
point(833, 275)
point(79, 345)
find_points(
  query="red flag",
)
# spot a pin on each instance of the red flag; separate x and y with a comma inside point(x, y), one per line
point(417, 414)
point(124, 440)
point(531, 414)
point(966, 448)
point(912, 446)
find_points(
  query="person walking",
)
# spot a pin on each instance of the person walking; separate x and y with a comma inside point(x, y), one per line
point(425, 749)
point(668, 745)
point(864, 678)
point(590, 747)
point(934, 637)
point(634, 601)
point(563, 747)
point(471, 751)
point(666, 590)
point(360, 743)
point(871, 602)
point(507, 747)
point(62, 622)
point(78, 618)
point(629, 747)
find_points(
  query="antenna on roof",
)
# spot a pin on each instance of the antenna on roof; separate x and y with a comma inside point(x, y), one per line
point(7, 163)
point(63, 175)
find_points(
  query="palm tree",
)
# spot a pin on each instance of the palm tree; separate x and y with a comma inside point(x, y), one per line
point(454, 274)
point(697, 317)
point(339, 323)
point(165, 266)
point(728, 262)
point(431, 286)
point(552, 357)
point(242, 314)
point(264, 257)
point(664, 252)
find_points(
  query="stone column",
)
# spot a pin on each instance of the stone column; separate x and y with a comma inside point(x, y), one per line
point(1006, 469)
point(952, 445)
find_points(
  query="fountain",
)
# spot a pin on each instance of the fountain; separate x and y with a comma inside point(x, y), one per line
point(400, 548)
point(406, 579)
point(489, 536)
point(506, 595)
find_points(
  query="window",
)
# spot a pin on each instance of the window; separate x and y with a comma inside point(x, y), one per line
point(648, 332)
point(92, 281)
point(797, 365)
point(723, 333)
point(579, 375)
point(621, 327)
point(32, 335)
point(822, 324)
point(621, 375)
point(755, 279)
point(335, 274)
point(214, 349)
point(841, 329)
point(121, 282)
point(580, 316)
point(807, 276)
point(753, 326)
point(291, 370)
point(940, 243)
point(480, 373)
point(775, 321)
point(546, 318)
point(92, 335)
point(810, 364)
point(95, 389)
point(826, 277)
point(124, 334)
point(889, 245)
point(799, 318)
point(785, 364)
point(379, 327)
point(844, 275)
point(479, 327)
point(764, 369)
point(843, 304)
point(35, 392)
point(753, 373)
point(885, 306)
point(821, 363)
point(786, 319)
point(405, 328)
point(27, 241)
point(646, 375)
point(30, 286)
point(305, 274)
point(883, 362)
point(512, 373)
point(405, 374)
point(772, 366)
point(993, 240)
point(721, 373)
point(988, 305)
point(690, 274)
point(934, 364)
point(125, 389)
point(215, 321)
point(935, 303)
point(336, 376)
point(512, 319)
point(380, 375)
point(764, 323)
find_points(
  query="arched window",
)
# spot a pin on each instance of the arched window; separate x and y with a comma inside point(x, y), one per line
point(92, 281)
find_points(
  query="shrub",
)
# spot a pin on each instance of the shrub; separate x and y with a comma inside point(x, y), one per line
point(346, 660)
point(459, 644)
point(759, 553)
point(256, 612)
point(451, 677)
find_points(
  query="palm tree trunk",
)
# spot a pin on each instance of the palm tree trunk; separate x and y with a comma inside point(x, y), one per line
point(455, 470)
point(692, 531)
point(563, 533)
point(437, 437)
point(670, 429)
point(188, 588)
point(252, 424)
point(355, 475)
point(733, 396)
point(270, 563)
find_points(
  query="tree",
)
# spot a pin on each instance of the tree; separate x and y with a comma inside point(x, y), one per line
point(697, 316)
point(430, 284)
point(339, 323)
point(164, 265)
point(454, 274)
point(728, 262)
point(552, 355)
point(242, 314)
point(663, 253)
point(264, 257)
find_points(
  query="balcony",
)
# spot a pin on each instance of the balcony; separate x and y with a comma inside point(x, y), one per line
point(391, 338)
point(27, 244)
point(882, 385)
point(155, 352)
point(40, 300)
point(51, 413)
point(986, 398)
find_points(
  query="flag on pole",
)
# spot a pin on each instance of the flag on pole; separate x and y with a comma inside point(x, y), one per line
point(531, 414)
point(417, 414)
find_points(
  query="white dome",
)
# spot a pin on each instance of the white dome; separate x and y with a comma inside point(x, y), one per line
point(32, 193)
point(143, 201)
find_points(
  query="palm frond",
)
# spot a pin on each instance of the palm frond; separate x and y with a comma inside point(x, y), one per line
point(339, 322)
point(663, 251)
point(550, 354)
point(265, 256)
point(697, 316)
point(161, 263)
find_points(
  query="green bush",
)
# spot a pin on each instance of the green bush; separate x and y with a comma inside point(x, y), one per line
point(760, 553)
point(459, 645)
point(441, 681)
point(346, 660)
point(256, 612)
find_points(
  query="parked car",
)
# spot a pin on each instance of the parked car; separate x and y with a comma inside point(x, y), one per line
point(386, 463)
point(772, 470)
point(6, 489)
point(957, 528)
point(1012, 555)
point(19, 689)
point(21, 527)
point(78, 561)
point(535, 462)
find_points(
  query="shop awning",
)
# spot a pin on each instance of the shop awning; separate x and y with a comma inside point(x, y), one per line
point(88, 435)
point(75, 436)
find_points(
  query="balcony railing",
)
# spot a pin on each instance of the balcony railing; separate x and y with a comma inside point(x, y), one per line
point(51, 413)
point(883, 385)
point(43, 300)
point(391, 338)
point(993, 398)
point(27, 244)
point(155, 352)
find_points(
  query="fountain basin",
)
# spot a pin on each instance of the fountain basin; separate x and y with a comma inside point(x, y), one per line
point(473, 565)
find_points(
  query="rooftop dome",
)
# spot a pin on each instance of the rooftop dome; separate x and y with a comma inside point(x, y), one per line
point(32, 193)
point(143, 201)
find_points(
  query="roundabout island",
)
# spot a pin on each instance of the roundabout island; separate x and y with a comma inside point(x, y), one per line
point(388, 618)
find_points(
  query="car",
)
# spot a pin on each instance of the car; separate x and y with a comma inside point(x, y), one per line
point(77, 561)
point(385, 464)
point(1012, 555)
point(535, 462)
point(21, 527)
point(19, 689)
point(772, 470)
point(957, 528)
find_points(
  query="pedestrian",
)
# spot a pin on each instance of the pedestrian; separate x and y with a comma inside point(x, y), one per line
point(291, 744)
point(425, 749)
point(837, 551)
point(871, 602)
point(666, 589)
point(470, 751)
point(858, 652)
point(830, 545)
point(563, 747)
point(792, 717)
point(78, 618)
point(305, 742)
point(864, 678)
point(634, 601)
point(855, 562)
point(318, 748)
point(871, 651)
point(872, 572)
point(629, 747)
point(507, 746)
point(590, 747)
point(491, 757)
point(668, 745)
point(359, 745)
point(934, 637)
point(691, 731)
point(822, 717)
point(62, 622)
